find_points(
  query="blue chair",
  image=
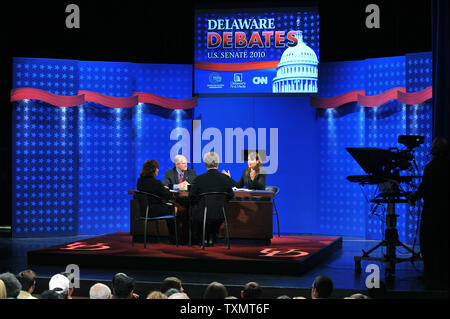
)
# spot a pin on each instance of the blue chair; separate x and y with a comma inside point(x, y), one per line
point(205, 214)
point(145, 200)
point(275, 190)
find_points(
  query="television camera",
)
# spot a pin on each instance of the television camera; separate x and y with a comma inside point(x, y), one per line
point(383, 167)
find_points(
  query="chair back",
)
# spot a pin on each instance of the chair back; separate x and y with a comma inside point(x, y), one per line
point(219, 207)
point(216, 199)
point(214, 195)
point(274, 189)
point(147, 199)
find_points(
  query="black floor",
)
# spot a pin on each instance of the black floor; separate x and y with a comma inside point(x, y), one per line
point(339, 267)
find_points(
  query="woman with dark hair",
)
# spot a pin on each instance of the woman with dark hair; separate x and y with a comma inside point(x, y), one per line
point(148, 183)
point(253, 177)
point(150, 168)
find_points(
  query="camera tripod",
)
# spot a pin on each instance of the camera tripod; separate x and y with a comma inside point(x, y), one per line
point(391, 240)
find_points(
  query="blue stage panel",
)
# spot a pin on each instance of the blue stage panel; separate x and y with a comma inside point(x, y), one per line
point(106, 171)
point(383, 126)
point(169, 80)
point(104, 147)
point(108, 78)
point(153, 126)
point(45, 170)
point(44, 160)
point(419, 71)
point(419, 121)
point(341, 205)
point(51, 75)
point(336, 78)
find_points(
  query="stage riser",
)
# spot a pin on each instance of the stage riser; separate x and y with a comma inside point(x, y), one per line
point(288, 255)
point(124, 263)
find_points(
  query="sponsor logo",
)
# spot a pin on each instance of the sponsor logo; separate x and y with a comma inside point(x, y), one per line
point(214, 80)
point(238, 81)
point(257, 80)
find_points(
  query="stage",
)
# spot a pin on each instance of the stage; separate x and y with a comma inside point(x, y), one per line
point(293, 255)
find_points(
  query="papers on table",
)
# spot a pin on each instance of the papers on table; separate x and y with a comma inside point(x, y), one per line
point(241, 189)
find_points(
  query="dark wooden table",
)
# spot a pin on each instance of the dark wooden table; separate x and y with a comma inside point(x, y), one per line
point(251, 215)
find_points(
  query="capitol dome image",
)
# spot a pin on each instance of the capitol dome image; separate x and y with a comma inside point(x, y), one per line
point(297, 70)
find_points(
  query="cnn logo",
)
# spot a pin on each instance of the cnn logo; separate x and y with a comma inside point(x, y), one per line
point(260, 80)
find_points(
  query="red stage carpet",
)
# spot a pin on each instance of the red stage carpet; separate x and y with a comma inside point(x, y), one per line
point(285, 255)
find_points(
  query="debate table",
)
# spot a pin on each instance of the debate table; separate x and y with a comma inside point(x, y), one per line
point(250, 215)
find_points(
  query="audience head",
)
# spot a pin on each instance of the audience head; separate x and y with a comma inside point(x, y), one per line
point(12, 285)
point(100, 291)
point(211, 160)
point(156, 295)
point(50, 294)
point(252, 290)
point(171, 282)
point(215, 290)
point(322, 287)
point(71, 288)
point(178, 295)
point(283, 297)
point(60, 284)
point(123, 286)
point(357, 296)
point(2, 290)
point(180, 162)
point(169, 292)
point(27, 279)
point(150, 168)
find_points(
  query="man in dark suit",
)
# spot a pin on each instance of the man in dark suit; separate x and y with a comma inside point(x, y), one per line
point(434, 240)
point(211, 181)
point(180, 176)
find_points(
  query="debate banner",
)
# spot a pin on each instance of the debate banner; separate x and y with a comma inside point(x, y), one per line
point(257, 51)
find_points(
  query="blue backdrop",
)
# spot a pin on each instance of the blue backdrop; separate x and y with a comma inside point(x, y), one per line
point(74, 166)
point(296, 127)
point(343, 207)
